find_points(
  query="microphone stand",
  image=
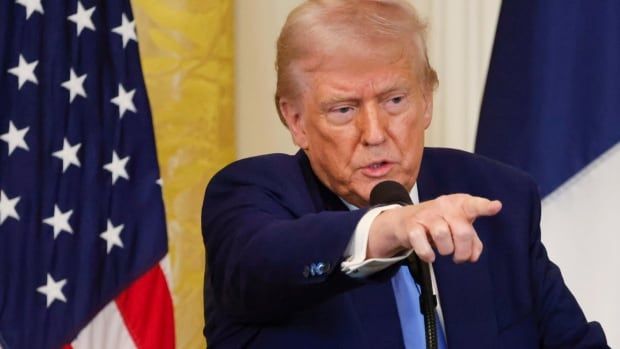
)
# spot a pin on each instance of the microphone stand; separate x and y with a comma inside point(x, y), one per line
point(420, 271)
point(391, 192)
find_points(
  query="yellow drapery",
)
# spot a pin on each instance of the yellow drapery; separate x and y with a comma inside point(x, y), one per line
point(186, 50)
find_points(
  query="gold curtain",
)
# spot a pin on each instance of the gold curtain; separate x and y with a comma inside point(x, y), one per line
point(187, 58)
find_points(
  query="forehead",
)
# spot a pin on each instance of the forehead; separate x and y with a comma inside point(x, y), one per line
point(348, 74)
point(357, 57)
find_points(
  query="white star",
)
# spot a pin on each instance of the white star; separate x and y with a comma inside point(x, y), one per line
point(124, 100)
point(7, 207)
point(160, 182)
point(117, 167)
point(31, 6)
point(53, 290)
point(15, 138)
point(60, 221)
point(82, 18)
point(24, 72)
point(75, 85)
point(112, 236)
point(68, 154)
point(127, 30)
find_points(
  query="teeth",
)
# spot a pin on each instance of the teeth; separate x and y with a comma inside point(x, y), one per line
point(375, 166)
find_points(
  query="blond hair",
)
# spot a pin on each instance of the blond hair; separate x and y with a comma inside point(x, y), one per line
point(315, 24)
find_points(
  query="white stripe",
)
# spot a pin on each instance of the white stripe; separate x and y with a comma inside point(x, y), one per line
point(106, 331)
point(580, 229)
point(164, 264)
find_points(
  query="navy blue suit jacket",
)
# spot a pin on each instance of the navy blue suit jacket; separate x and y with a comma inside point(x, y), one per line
point(268, 219)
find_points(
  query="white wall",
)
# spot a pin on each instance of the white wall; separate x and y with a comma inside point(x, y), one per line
point(460, 41)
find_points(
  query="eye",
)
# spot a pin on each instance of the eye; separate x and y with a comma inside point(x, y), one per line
point(396, 104)
point(341, 114)
point(397, 100)
point(343, 110)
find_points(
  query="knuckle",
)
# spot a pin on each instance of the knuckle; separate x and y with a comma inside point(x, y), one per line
point(461, 256)
point(426, 254)
point(442, 200)
point(416, 231)
point(440, 234)
point(463, 234)
point(445, 249)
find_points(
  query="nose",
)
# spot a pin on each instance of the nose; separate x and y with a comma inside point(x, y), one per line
point(372, 126)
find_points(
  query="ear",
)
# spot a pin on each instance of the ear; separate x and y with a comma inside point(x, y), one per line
point(292, 114)
point(428, 109)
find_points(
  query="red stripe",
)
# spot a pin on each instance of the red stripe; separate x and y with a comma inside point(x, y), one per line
point(67, 346)
point(146, 308)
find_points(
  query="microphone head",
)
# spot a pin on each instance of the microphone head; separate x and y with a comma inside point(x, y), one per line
point(389, 192)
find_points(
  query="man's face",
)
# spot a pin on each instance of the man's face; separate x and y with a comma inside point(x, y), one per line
point(361, 121)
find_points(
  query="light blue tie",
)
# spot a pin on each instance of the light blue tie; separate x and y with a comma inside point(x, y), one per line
point(407, 294)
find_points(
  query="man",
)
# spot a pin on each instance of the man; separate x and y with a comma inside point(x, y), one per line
point(297, 259)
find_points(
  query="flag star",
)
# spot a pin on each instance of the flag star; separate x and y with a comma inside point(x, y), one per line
point(127, 30)
point(160, 182)
point(124, 100)
point(24, 72)
point(117, 167)
point(75, 85)
point(31, 6)
point(68, 154)
point(7, 207)
point(112, 236)
point(53, 290)
point(82, 18)
point(60, 221)
point(15, 137)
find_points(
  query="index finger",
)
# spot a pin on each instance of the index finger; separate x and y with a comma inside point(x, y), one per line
point(475, 206)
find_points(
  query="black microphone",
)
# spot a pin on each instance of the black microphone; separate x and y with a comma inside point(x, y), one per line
point(391, 192)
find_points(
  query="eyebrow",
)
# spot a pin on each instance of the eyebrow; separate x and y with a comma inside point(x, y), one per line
point(341, 96)
point(339, 99)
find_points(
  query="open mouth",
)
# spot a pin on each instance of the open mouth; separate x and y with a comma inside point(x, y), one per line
point(377, 165)
point(377, 169)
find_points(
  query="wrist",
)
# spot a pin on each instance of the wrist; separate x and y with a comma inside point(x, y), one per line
point(382, 240)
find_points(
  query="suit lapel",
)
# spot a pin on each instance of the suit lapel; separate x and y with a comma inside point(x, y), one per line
point(465, 290)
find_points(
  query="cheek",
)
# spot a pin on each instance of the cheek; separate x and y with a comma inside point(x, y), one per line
point(408, 136)
point(338, 156)
point(334, 150)
point(406, 131)
point(338, 143)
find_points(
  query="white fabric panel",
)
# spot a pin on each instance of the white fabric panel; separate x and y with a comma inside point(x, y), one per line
point(581, 232)
point(460, 40)
point(166, 268)
point(106, 331)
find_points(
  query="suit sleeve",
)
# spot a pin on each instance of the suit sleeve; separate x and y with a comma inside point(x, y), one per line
point(263, 256)
point(561, 320)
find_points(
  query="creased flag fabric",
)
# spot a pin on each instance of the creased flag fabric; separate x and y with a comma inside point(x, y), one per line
point(82, 227)
point(552, 108)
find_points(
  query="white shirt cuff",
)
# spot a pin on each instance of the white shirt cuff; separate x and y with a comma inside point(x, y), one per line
point(356, 265)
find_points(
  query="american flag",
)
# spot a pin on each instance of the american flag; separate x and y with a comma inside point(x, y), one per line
point(82, 227)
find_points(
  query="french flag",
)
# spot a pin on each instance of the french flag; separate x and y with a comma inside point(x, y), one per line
point(552, 108)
